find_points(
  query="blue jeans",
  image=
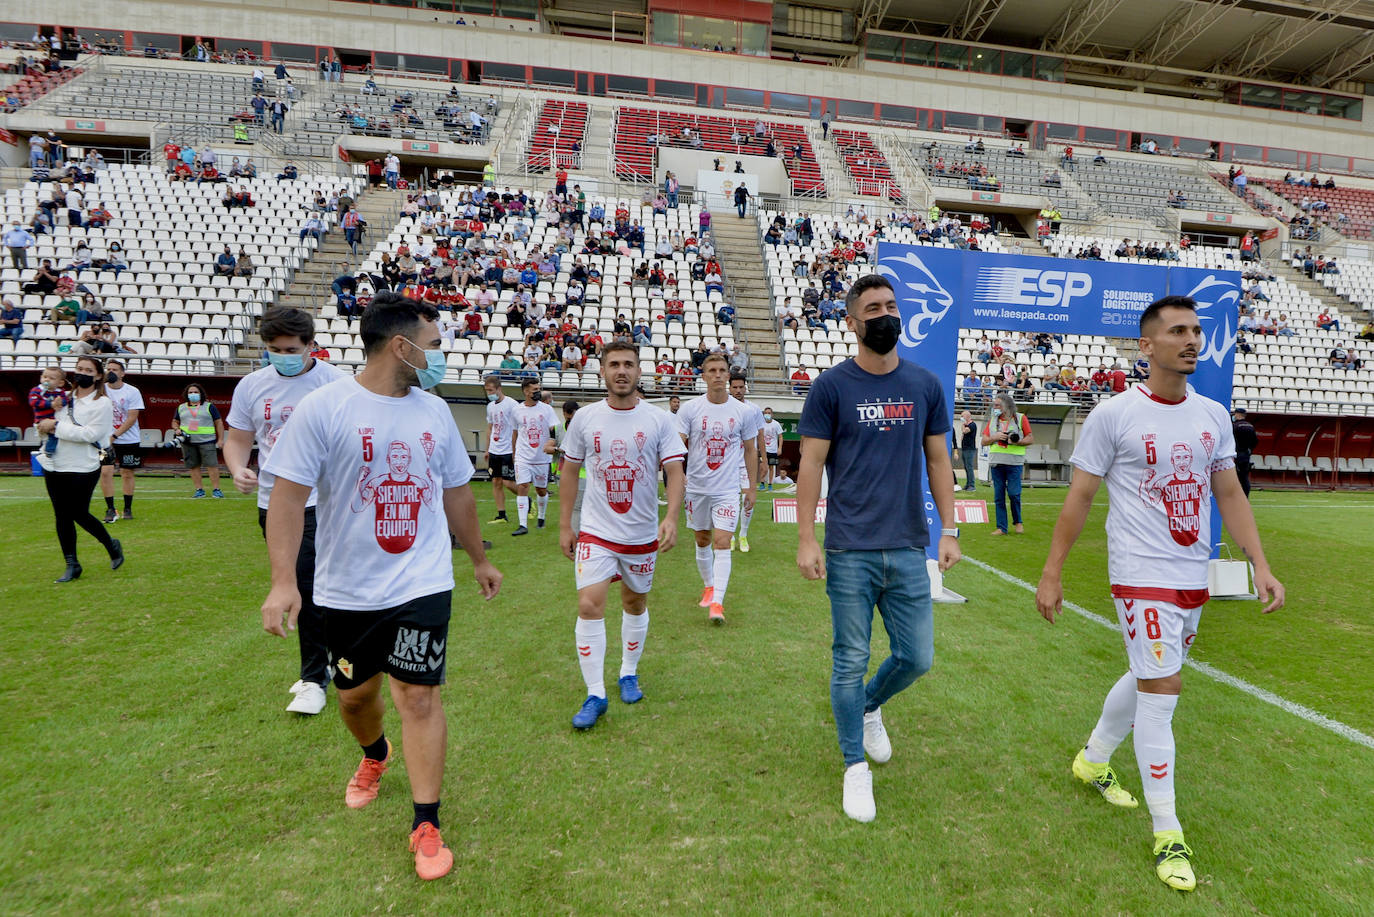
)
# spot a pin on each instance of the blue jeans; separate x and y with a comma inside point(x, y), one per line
point(896, 582)
point(970, 457)
point(1006, 487)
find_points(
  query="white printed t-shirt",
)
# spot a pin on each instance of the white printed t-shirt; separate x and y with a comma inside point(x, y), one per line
point(264, 400)
point(501, 416)
point(716, 434)
point(381, 466)
point(622, 451)
point(533, 425)
point(772, 434)
point(124, 399)
point(756, 418)
point(1158, 458)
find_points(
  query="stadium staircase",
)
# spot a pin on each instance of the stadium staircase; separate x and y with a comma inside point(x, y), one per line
point(737, 247)
point(837, 181)
point(309, 289)
point(1329, 298)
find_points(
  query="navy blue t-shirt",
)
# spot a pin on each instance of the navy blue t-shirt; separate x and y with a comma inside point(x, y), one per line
point(877, 427)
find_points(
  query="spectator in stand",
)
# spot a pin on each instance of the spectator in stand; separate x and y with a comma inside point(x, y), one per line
point(801, 380)
point(1140, 370)
point(1118, 378)
point(202, 432)
point(44, 279)
point(288, 172)
point(11, 321)
point(313, 227)
point(1367, 332)
point(1343, 358)
point(19, 240)
point(243, 265)
point(224, 264)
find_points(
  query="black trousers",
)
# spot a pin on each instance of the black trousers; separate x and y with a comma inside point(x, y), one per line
point(310, 623)
point(1243, 473)
point(70, 495)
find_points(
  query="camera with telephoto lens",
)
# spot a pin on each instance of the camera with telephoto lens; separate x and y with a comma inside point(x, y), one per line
point(1014, 437)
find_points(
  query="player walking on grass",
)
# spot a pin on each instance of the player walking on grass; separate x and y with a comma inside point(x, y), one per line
point(868, 422)
point(719, 433)
point(739, 387)
point(623, 441)
point(263, 402)
point(501, 425)
point(536, 426)
point(772, 444)
point(392, 475)
point(1163, 450)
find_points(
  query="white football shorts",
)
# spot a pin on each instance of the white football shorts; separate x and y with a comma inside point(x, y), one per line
point(706, 512)
point(596, 563)
point(1158, 635)
point(538, 475)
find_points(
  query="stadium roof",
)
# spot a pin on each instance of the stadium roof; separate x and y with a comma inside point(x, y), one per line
point(1203, 46)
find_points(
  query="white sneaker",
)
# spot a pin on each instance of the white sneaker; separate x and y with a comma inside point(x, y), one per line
point(858, 793)
point(876, 743)
point(296, 688)
point(309, 700)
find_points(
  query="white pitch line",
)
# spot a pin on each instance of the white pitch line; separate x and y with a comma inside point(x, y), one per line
point(1211, 671)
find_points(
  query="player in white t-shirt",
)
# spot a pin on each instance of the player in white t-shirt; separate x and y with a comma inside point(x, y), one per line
point(1164, 451)
point(739, 387)
point(536, 425)
point(263, 402)
point(720, 435)
point(622, 441)
point(392, 476)
point(772, 445)
point(127, 451)
point(501, 424)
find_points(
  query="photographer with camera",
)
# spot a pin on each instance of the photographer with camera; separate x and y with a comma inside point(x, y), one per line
point(1006, 433)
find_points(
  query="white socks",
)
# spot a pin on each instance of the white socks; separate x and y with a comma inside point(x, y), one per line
point(721, 577)
point(543, 506)
point(746, 513)
point(1154, 751)
point(591, 654)
point(633, 630)
point(522, 506)
point(1118, 712)
point(704, 565)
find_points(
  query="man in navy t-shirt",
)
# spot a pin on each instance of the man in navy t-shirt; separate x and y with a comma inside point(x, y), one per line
point(871, 423)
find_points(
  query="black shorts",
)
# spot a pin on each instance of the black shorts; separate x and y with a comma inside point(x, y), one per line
point(772, 459)
point(407, 642)
point(502, 466)
point(128, 455)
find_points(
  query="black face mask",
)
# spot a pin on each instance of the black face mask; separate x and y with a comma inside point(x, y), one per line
point(113, 378)
point(880, 334)
point(83, 380)
point(536, 396)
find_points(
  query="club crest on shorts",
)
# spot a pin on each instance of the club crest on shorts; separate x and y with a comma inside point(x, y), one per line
point(1157, 651)
point(346, 667)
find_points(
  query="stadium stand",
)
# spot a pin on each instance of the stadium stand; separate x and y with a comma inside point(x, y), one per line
point(34, 85)
point(866, 165)
point(517, 241)
point(1284, 373)
point(950, 165)
point(404, 113)
point(1349, 211)
point(170, 304)
point(1138, 186)
point(558, 137)
point(634, 154)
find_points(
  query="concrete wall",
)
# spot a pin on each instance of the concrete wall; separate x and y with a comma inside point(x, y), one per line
point(384, 28)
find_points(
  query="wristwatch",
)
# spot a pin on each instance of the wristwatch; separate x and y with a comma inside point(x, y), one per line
point(953, 533)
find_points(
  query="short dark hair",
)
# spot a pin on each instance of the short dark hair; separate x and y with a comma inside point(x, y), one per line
point(389, 315)
point(614, 346)
point(863, 285)
point(737, 376)
point(1152, 311)
point(570, 408)
point(186, 392)
point(284, 321)
point(112, 360)
point(528, 381)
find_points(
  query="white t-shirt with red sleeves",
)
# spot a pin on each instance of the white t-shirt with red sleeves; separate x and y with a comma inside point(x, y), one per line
point(716, 434)
point(533, 422)
point(501, 416)
point(264, 400)
point(622, 451)
point(1157, 458)
point(381, 466)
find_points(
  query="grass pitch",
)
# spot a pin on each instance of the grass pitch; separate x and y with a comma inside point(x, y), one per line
point(149, 765)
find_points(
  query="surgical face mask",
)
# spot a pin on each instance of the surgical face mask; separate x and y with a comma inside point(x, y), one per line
point(287, 364)
point(432, 373)
point(493, 397)
point(193, 398)
point(767, 416)
point(880, 334)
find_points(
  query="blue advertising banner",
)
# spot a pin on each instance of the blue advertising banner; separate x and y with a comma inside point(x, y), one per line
point(941, 290)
